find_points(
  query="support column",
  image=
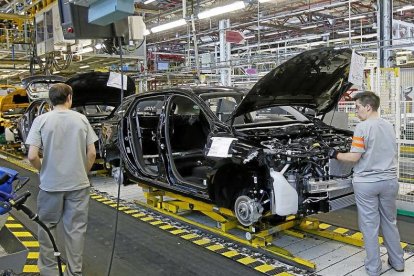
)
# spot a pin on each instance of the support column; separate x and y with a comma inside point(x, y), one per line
point(225, 70)
point(384, 19)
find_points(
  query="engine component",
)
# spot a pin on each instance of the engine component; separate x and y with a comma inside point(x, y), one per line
point(248, 211)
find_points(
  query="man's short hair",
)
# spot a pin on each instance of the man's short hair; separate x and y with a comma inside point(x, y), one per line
point(59, 93)
point(368, 97)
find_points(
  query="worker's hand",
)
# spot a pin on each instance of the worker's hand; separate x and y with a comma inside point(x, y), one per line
point(333, 153)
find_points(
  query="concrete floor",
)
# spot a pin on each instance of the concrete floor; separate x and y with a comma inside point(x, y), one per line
point(144, 250)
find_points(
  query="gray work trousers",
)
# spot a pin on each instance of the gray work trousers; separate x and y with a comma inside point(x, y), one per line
point(376, 202)
point(72, 208)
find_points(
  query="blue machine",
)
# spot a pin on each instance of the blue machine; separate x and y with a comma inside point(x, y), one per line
point(7, 177)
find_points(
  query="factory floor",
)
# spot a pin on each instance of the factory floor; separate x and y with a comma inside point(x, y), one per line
point(142, 249)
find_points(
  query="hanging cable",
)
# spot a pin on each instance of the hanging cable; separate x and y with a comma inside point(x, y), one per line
point(120, 179)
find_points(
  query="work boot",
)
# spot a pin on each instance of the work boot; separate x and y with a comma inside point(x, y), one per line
point(398, 270)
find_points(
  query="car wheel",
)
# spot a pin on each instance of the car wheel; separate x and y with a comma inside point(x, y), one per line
point(247, 210)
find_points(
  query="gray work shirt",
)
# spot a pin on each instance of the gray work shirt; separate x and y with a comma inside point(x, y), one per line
point(375, 139)
point(63, 135)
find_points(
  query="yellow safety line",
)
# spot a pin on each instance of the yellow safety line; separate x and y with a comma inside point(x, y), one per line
point(230, 254)
point(246, 260)
point(264, 268)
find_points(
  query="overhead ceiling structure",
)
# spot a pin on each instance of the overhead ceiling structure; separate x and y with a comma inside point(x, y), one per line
point(272, 29)
point(274, 23)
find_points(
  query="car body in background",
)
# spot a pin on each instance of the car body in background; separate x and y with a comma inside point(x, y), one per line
point(91, 97)
point(14, 104)
point(261, 164)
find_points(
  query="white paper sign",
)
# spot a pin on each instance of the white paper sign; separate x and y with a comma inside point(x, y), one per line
point(356, 72)
point(220, 146)
point(114, 80)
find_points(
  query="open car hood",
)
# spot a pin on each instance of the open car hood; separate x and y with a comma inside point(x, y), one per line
point(315, 79)
point(91, 89)
point(30, 82)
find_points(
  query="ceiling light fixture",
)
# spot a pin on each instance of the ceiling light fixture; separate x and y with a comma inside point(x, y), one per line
point(355, 17)
point(84, 66)
point(345, 32)
point(265, 1)
point(148, 1)
point(169, 25)
point(98, 46)
point(406, 8)
point(309, 27)
point(238, 5)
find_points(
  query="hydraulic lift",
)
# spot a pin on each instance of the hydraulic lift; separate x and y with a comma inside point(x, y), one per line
point(227, 226)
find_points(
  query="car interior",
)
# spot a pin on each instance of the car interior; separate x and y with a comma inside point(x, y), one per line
point(188, 131)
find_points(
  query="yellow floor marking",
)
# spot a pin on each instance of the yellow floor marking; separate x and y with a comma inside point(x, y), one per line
point(31, 243)
point(33, 255)
point(139, 215)
point(113, 205)
point(264, 268)
point(31, 268)
point(341, 230)
point(189, 236)
point(157, 222)
point(147, 218)
point(14, 225)
point(130, 211)
point(10, 218)
point(166, 227)
point(178, 231)
point(230, 254)
point(247, 260)
point(123, 208)
point(403, 244)
point(284, 274)
point(107, 202)
point(215, 247)
point(357, 235)
point(201, 242)
point(22, 234)
point(101, 199)
point(96, 196)
point(324, 226)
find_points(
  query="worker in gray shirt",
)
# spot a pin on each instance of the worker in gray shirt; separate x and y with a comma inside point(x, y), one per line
point(67, 140)
point(374, 150)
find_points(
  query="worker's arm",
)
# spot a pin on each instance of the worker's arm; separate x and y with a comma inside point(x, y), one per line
point(349, 156)
point(91, 154)
point(34, 158)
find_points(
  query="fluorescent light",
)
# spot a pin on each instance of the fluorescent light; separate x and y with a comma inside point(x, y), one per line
point(84, 66)
point(265, 1)
point(98, 46)
point(309, 27)
point(406, 8)
point(238, 5)
point(405, 53)
point(355, 17)
point(274, 33)
point(56, 72)
point(169, 25)
point(149, 1)
point(147, 32)
point(249, 37)
point(345, 32)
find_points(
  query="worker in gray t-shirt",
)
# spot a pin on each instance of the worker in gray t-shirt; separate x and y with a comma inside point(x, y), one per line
point(374, 150)
point(67, 142)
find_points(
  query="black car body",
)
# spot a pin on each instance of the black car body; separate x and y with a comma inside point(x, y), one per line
point(255, 166)
point(91, 97)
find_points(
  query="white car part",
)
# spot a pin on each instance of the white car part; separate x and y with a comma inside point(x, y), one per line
point(285, 197)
